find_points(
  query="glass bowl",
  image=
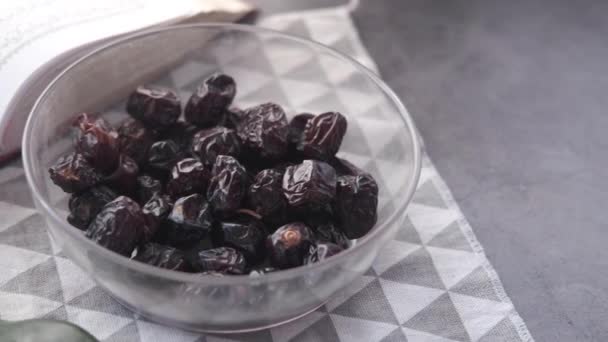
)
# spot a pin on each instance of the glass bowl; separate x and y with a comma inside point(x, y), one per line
point(300, 75)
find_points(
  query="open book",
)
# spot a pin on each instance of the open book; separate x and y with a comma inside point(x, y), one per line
point(39, 38)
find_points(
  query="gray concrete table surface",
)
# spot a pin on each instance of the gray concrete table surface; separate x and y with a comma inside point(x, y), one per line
point(511, 98)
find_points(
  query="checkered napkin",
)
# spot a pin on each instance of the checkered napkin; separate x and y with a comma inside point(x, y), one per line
point(431, 283)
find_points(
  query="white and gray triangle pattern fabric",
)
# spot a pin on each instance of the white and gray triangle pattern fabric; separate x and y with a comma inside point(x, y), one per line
point(431, 283)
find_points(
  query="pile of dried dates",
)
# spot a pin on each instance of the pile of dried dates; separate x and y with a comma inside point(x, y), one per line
point(217, 190)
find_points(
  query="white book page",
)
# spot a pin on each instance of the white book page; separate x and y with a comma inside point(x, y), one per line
point(35, 31)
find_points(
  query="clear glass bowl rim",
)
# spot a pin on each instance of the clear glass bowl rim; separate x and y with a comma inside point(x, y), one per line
point(49, 211)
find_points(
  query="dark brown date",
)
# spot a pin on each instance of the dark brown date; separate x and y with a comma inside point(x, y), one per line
point(162, 256)
point(321, 252)
point(210, 143)
point(266, 196)
point(118, 226)
point(263, 131)
point(155, 211)
point(73, 173)
point(224, 260)
point(96, 141)
point(296, 129)
point(207, 104)
point(181, 133)
point(84, 206)
point(310, 184)
point(289, 245)
point(188, 176)
point(189, 222)
point(228, 185)
point(244, 233)
point(163, 155)
point(323, 135)
point(154, 106)
point(134, 140)
point(329, 233)
point(147, 187)
point(124, 178)
point(356, 204)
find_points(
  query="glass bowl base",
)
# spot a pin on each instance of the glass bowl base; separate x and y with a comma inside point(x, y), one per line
point(211, 329)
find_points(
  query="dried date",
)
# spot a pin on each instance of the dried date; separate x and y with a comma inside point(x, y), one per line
point(155, 106)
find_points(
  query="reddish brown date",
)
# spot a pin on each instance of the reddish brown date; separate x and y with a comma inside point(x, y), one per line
point(96, 141)
point(73, 173)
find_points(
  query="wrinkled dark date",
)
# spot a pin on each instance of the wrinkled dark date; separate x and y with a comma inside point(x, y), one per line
point(73, 173)
point(189, 222)
point(124, 178)
point(323, 135)
point(356, 204)
point(188, 176)
point(84, 206)
point(321, 252)
point(244, 233)
point(207, 105)
point(163, 155)
point(263, 131)
point(210, 143)
point(147, 187)
point(156, 107)
point(96, 141)
point(134, 140)
point(296, 128)
point(329, 233)
point(155, 211)
point(266, 195)
point(223, 260)
point(228, 185)
point(289, 245)
point(118, 226)
point(311, 183)
point(163, 256)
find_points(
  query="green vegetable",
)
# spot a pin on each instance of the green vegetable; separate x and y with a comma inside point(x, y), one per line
point(36, 330)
